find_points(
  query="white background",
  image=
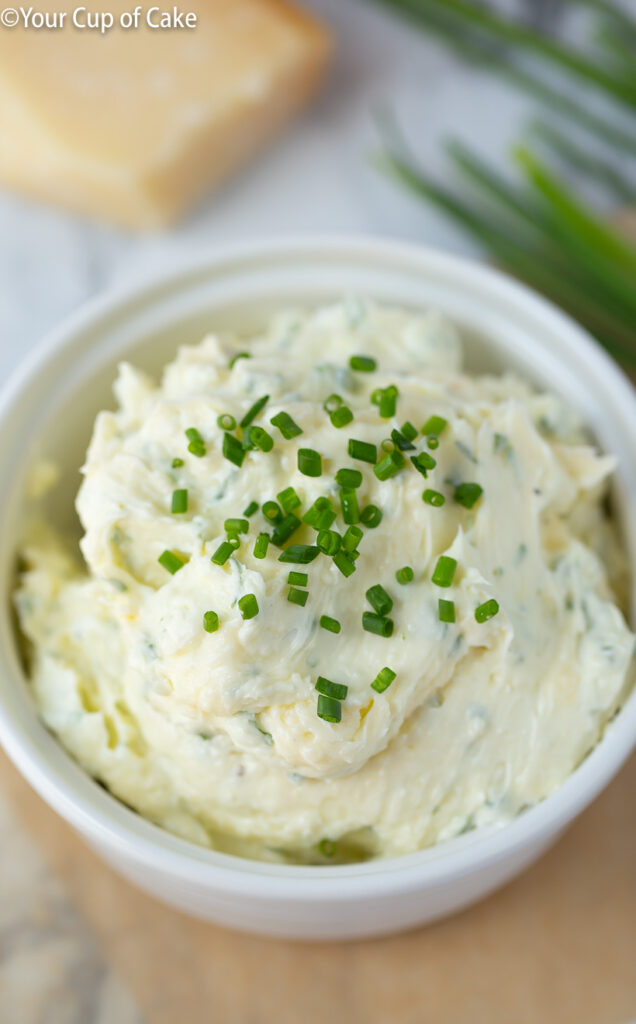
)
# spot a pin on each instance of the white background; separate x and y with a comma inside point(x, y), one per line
point(318, 178)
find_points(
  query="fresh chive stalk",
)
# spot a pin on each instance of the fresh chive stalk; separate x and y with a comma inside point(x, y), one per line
point(331, 625)
point(210, 622)
point(299, 554)
point(341, 416)
point(179, 503)
point(363, 364)
point(261, 545)
point(486, 610)
point(284, 529)
point(383, 680)
point(330, 689)
point(254, 410)
point(328, 709)
point(444, 571)
point(446, 610)
point(379, 599)
point(309, 462)
point(171, 561)
point(468, 494)
point(371, 516)
point(248, 606)
point(432, 497)
point(378, 624)
point(286, 425)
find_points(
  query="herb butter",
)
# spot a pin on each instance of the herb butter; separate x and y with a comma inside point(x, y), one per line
point(339, 598)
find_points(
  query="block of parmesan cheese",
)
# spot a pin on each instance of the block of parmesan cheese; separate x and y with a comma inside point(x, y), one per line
point(134, 125)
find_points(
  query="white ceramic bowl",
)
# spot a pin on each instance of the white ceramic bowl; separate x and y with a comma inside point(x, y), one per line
point(49, 408)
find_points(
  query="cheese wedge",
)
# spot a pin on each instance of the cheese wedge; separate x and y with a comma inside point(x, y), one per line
point(134, 125)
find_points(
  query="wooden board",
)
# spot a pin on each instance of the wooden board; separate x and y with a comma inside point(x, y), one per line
point(557, 946)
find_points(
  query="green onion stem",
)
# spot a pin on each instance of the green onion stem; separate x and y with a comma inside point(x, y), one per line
point(614, 330)
point(491, 27)
point(578, 159)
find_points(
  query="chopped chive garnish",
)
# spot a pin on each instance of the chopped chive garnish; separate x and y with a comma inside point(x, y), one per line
point(299, 554)
point(289, 499)
point(389, 466)
point(432, 441)
point(344, 563)
point(297, 579)
point(330, 689)
point(423, 462)
point(309, 462)
point(371, 516)
point(349, 505)
point(353, 555)
point(239, 355)
point(329, 709)
point(329, 542)
point(257, 437)
point(254, 410)
point(225, 421)
point(383, 680)
point(197, 444)
point(468, 494)
point(284, 529)
point(177, 462)
point(363, 364)
point(248, 606)
point(362, 450)
point(432, 497)
point(444, 571)
point(404, 575)
point(223, 552)
point(210, 622)
point(272, 511)
point(332, 403)
point(486, 610)
point(296, 596)
point(236, 526)
point(341, 416)
point(328, 848)
point(332, 625)
point(234, 541)
point(408, 431)
point(286, 425)
point(233, 449)
point(386, 401)
point(352, 538)
point(320, 515)
point(446, 610)
point(171, 561)
point(378, 624)
point(251, 508)
point(261, 545)
point(388, 445)
point(401, 442)
point(434, 425)
point(379, 599)
point(179, 501)
point(349, 478)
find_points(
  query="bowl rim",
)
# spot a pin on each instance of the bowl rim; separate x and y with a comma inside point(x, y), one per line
point(104, 820)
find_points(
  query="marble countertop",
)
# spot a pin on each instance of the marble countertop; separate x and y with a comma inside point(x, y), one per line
point(319, 178)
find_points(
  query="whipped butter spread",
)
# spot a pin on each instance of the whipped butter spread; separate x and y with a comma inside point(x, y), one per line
point(338, 598)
